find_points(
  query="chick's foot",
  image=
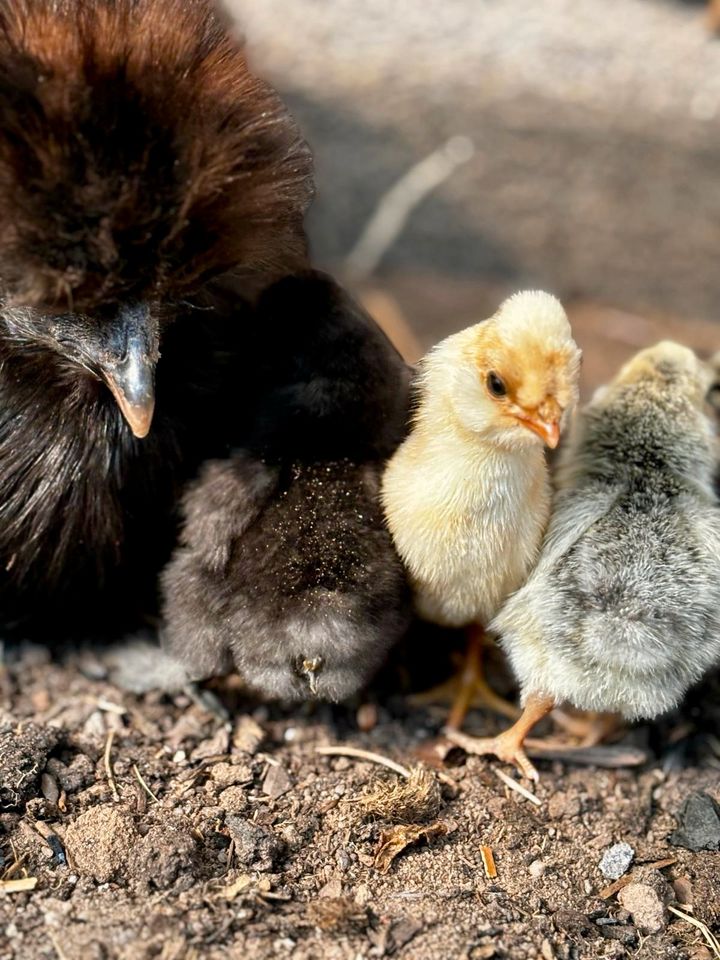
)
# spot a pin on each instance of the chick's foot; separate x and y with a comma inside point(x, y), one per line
point(590, 729)
point(474, 688)
point(509, 745)
point(506, 746)
point(468, 688)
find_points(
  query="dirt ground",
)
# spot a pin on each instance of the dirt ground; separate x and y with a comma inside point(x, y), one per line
point(153, 831)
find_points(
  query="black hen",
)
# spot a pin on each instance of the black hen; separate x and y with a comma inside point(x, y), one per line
point(139, 161)
point(286, 569)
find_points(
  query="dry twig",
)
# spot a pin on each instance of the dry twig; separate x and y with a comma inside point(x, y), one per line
point(517, 787)
point(18, 886)
point(395, 206)
point(360, 754)
point(107, 761)
point(488, 862)
point(143, 784)
point(702, 927)
point(612, 888)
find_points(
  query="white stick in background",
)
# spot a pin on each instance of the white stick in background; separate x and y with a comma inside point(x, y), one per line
point(392, 212)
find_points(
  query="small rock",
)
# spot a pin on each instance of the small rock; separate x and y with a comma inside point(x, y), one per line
point(616, 860)
point(49, 787)
point(572, 921)
point(248, 735)
point(362, 894)
point(99, 842)
point(332, 890)
point(228, 774)
point(646, 907)
point(683, 891)
point(166, 852)
point(219, 743)
point(276, 781)
point(537, 868)
point(253, 845)
point(233, 800)
point(698, 824)
point(624, 933)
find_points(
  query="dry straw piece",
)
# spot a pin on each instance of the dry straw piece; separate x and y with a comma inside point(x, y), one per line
point(412, 800)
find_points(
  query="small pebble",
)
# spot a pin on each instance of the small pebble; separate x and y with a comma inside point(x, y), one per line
point(276, 781)
point(698, 824)
point(616, 861)
point(537, 868)
point(645, 906)
point(683, 891)
point(49, 787)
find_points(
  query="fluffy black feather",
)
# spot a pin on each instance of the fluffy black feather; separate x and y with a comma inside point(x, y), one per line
point(138, 159)
point(286, 568)
point(138, 155)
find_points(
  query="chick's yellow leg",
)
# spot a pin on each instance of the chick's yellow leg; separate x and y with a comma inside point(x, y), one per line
point(468, 687)
point(508, 746)
point(589, 728)
point(474, 690)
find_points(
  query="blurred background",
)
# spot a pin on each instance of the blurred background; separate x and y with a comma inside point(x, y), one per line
point(469, 148)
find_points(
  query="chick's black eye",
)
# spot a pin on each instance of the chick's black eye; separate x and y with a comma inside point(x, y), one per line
point(496, 385)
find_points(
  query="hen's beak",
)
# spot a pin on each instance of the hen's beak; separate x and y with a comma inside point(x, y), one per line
point(547, 430)
point(130, 370)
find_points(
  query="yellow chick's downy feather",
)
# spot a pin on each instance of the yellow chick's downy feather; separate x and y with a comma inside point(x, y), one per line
point(467, 494)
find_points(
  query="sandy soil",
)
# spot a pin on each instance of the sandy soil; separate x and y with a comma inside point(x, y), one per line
point(153, 830)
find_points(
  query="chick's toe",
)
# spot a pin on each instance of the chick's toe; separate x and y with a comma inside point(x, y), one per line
point(506, 746)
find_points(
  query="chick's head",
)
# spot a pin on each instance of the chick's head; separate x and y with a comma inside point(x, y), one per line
point(514, 377)
point(667, 369)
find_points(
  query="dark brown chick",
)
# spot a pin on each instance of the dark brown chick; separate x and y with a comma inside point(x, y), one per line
point(286, 570)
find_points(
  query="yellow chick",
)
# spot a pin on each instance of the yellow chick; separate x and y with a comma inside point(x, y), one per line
point(467, 495)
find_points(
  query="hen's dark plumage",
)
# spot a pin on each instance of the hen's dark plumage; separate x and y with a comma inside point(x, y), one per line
point(139, 162)
point(286, 569)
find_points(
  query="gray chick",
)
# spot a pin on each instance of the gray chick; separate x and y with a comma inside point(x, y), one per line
point(622, 613)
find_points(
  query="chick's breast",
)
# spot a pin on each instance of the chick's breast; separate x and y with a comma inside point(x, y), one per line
point(467, 545)
point(623, 611)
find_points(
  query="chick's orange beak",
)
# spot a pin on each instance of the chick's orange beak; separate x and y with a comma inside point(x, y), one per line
point(547, 430)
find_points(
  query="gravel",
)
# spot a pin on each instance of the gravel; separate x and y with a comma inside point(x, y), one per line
point(616, 861)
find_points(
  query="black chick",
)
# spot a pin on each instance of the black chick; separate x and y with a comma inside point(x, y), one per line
point(286, 568)
point(139, 162)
